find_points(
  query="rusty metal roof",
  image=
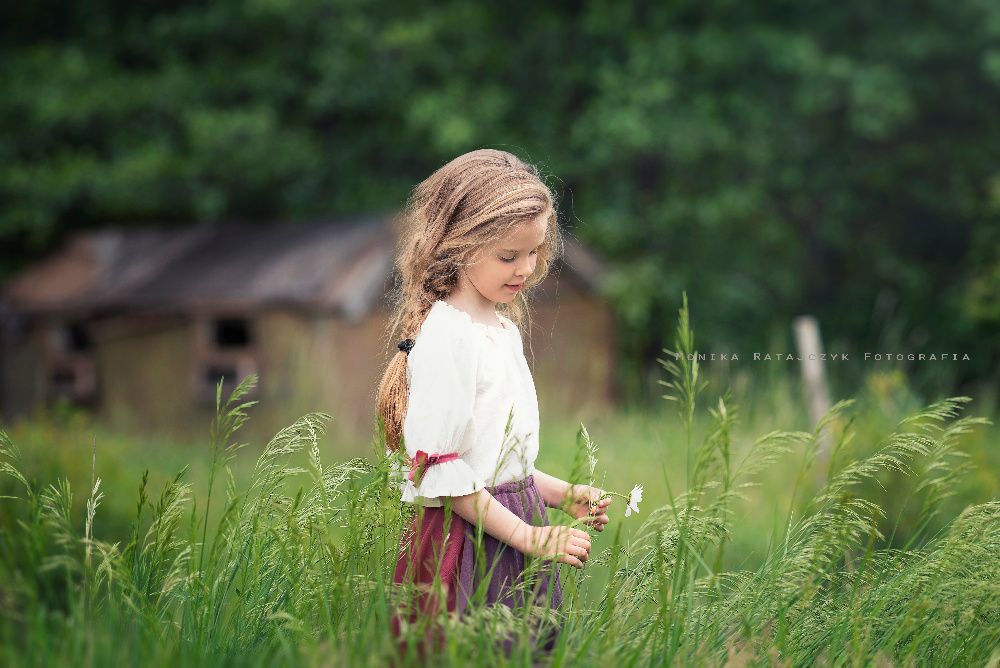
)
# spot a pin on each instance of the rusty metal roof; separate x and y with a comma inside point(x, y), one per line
point(337, 266)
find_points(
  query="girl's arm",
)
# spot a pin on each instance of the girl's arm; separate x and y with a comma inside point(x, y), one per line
point(562, 543)
point(574, 499)
point(553, 489)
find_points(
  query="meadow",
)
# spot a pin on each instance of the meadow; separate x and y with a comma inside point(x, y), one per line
point(873, 538)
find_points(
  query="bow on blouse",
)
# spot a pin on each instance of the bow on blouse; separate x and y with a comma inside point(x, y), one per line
point(422, 460)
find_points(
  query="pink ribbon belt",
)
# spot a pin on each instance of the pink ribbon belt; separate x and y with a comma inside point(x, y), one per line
point(422, 460)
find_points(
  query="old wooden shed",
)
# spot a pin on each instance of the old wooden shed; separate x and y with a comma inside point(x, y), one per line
point(139, 325)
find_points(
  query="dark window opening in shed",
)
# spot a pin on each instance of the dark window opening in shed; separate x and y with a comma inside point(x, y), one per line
point(216, 372)
point(73, 338)
point(73, 379)
point(70, 369)
point(232, 333)
point(62, 380)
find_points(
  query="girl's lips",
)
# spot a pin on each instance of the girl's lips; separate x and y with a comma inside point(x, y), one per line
point(513, 288)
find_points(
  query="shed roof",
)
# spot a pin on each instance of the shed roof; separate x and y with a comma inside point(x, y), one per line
point(328, 265)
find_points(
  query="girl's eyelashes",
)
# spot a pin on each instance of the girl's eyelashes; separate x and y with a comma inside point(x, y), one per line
point(511, 259)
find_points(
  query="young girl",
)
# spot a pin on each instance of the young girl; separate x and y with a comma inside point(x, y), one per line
point(477, 236)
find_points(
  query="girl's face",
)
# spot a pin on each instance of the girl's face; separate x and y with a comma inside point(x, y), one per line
point(498, 272)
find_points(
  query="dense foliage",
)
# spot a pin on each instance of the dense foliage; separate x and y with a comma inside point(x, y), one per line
point(772, 158)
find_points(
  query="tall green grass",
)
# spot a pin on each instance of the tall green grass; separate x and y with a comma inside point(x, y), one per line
point(294, 564)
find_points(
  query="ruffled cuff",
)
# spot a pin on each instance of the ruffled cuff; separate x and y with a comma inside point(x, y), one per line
point(454, 478)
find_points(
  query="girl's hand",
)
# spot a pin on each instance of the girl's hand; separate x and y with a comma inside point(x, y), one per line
point(584, 502)
point(560, 543)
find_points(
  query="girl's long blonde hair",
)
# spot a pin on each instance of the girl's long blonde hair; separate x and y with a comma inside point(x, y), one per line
point(471, 202)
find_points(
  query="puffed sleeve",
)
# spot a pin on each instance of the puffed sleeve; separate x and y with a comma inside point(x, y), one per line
point(441, 370)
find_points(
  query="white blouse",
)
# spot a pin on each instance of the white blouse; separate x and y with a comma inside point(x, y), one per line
point(466, 379)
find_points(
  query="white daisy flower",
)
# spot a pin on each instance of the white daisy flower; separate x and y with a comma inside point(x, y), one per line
point(633, 500)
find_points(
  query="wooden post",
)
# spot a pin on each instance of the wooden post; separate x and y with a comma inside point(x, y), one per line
point(810, 349)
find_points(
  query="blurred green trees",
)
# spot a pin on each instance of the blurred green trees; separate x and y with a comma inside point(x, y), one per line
point(771, 158)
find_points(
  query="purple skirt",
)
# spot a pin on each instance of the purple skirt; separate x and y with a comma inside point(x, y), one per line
point(494, 572)
point(489, 572)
